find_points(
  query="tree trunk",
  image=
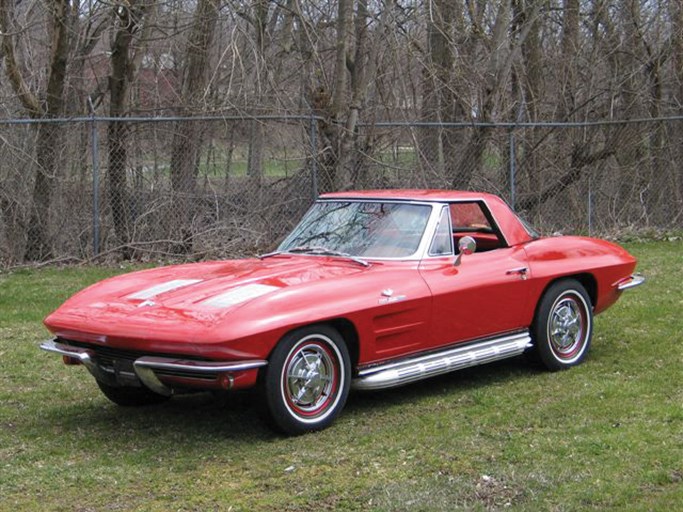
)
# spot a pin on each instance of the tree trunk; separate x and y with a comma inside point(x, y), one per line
point(492, 88)
point(440, 146)
point(38, 246)
point(569, 63)
point(532, 89)
point(188, 135)
point(337, 177)
point(123, 70)
point(676, 9)
point(49, 138)
point(260, 10)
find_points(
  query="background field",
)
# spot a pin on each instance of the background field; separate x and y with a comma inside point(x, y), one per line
point(605, 435)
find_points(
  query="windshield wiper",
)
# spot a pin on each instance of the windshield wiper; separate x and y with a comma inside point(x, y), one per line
point(269, 254)
point(293, 250)
point(322, 251)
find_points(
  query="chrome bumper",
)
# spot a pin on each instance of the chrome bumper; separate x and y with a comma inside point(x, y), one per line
point(630, 282)
point(146, 366)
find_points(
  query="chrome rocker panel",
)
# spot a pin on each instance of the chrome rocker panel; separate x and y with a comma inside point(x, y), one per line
point(425, 366)
point(145, 366)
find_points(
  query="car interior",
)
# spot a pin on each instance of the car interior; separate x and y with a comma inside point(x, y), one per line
point(471, 219)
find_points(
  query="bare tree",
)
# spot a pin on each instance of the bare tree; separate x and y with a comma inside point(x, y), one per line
point(530, 76)
point(357, 38)
point(260, 19)
point(125, 59)
point(676, 10)
point(188, 136)
point(38, 245)
point(441, 90)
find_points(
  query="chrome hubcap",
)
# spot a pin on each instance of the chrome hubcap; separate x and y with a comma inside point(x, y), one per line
point(310, 377)
point(566, 327)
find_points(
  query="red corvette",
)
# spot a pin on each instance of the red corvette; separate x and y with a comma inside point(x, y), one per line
point(371, 290)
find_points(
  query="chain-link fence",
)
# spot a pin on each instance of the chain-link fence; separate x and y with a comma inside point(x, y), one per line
point(226, 186)
point(599, 178)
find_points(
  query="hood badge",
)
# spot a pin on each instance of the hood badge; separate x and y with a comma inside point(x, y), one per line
point(389, 298)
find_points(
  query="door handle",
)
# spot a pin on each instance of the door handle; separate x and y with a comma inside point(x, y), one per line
point(522, 271)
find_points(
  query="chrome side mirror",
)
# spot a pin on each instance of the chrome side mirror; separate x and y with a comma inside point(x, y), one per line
point(466, 246)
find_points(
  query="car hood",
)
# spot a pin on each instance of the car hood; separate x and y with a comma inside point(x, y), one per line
point(189, 298)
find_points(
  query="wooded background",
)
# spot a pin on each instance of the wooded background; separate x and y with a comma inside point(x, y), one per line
point(214, 123)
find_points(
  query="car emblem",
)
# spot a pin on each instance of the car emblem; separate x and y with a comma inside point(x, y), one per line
point(147, 303)
point(389, 298)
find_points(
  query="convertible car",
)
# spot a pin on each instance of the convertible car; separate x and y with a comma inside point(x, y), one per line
point(371, 290)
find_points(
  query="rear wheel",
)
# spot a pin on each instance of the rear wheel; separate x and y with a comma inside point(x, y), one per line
point(128, 396)
point(563, 325)
point(307, 380)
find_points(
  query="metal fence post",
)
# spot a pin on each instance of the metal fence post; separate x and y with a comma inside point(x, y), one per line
point(314, 155)
point(513, 168)
point(95, 181)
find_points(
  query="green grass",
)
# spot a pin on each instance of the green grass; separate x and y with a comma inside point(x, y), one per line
point(276, 163)
point(605, 435)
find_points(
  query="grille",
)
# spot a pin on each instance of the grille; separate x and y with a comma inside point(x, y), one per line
point(116, 359)
point(110, 353)
point(186, 374)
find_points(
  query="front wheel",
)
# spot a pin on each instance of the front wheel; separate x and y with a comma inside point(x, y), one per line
point(563, 325)
point(307, 380)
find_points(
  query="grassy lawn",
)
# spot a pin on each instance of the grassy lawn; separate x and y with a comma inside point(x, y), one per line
point(605, 435)
point(276, 163)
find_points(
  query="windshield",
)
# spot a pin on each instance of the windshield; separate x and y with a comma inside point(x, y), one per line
point(365, 229)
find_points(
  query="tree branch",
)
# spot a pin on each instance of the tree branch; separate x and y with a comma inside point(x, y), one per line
point(28, 100)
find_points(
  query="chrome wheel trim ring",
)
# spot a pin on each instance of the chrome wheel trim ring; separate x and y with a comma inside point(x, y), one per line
point(569, 326)
point(312, 378)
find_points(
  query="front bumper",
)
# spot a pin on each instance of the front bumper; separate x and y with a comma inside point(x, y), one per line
point(630, 282)
point(156, 372)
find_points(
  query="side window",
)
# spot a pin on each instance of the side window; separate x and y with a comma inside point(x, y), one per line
point(442, 243)
point(473, 219)
point(469, 217)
